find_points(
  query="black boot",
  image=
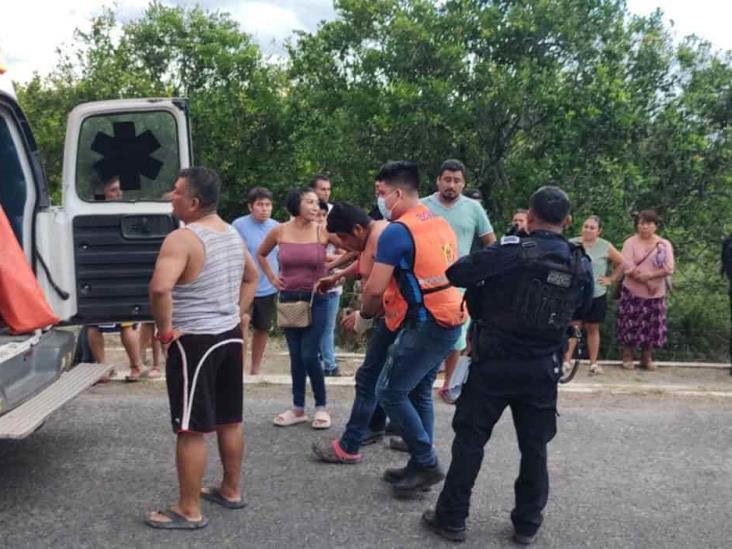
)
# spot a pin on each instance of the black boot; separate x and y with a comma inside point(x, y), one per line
point(521, 539)
point(392, 476)
point(418, 479)
point(429, 519)
point(398, 444)
point(372, 437)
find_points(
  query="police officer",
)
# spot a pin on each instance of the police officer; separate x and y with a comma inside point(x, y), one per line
point(522, 293)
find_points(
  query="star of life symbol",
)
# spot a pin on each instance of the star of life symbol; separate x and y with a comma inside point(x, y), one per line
point(126, 155)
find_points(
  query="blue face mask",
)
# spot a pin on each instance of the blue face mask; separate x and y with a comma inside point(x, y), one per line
point(381, 204)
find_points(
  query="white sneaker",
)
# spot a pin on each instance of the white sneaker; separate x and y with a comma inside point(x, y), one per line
point(566, 368)
point(595, 369)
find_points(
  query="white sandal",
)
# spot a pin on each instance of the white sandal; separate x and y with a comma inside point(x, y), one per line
point(321, 420)
point(285, 419)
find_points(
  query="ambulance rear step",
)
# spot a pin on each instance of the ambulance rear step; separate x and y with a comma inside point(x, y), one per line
point(27, 417)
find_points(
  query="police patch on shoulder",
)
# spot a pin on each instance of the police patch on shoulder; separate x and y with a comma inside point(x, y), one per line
point(510, 239)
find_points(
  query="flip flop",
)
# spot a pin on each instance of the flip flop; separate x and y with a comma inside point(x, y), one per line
point(213, 495)
point(321, 420)
point(131, 378)
point(106, 378)
point(285, 419)
point(154, 373)
point(176, 522)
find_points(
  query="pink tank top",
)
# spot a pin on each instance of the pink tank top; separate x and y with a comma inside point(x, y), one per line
point(301, 265)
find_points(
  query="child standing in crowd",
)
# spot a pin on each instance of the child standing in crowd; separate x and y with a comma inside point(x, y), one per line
point(253, 228)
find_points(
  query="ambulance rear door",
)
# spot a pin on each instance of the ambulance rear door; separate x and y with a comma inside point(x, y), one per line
point(121, 160)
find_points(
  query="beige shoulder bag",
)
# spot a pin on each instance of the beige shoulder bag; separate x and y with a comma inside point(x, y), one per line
point(295, 314)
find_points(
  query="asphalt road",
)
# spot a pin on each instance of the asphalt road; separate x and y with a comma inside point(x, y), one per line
point(641, 471)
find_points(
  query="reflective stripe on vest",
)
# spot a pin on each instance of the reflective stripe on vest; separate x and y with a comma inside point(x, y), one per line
point(435, 249)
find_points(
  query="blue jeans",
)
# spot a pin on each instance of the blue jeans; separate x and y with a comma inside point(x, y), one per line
point(411, 367)
point(304, 346)
point(327, 343)
point(366, 377)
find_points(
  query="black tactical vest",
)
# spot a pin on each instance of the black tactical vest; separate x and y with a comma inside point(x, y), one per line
point(528, 312)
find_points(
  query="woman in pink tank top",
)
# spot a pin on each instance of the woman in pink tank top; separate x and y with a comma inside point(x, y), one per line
point(302, 263)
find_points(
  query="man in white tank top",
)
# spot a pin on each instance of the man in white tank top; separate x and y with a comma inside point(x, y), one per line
point(203, 278)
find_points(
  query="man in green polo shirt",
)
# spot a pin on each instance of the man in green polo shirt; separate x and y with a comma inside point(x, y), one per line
point(468, 219)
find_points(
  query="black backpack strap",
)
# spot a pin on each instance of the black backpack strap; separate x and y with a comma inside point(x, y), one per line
point(576, 254)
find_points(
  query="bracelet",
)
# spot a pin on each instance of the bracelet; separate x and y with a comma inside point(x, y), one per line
point(165, 338)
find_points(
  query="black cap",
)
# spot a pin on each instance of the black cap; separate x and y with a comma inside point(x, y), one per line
point(550, 204)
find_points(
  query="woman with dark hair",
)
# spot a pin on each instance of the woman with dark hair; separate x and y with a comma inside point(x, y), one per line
point(302, 244)
point(648, 260)
point(602, 253)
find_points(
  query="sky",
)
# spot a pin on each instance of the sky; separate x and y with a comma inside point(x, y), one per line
point(28, 42)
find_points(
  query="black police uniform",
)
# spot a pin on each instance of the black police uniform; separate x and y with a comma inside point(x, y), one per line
point(521, 293)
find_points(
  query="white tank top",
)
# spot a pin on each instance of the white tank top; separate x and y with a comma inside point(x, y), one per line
point(210, 303)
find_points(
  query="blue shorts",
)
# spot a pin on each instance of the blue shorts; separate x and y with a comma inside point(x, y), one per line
point(461, 342)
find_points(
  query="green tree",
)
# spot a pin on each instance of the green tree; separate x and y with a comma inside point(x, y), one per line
point(235, 98)
point(525, 92)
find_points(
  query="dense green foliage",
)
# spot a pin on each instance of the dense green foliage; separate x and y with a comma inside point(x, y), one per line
point(525, 92)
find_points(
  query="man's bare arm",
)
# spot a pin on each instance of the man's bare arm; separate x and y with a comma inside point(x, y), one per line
point(374, 289)
point(488, 238)
point(343, 259)
point(172, 261)
point(248, 283)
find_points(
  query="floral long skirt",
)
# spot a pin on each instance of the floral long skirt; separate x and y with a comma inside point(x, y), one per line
point(641, 322)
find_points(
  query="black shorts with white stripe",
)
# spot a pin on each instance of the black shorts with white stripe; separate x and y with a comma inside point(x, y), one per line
point(208, 393)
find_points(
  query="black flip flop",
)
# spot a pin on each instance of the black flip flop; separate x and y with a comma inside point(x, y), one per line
point(177, 522)
point(214, 496)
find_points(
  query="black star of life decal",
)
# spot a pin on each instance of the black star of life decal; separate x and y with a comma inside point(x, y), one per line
point(126, 155)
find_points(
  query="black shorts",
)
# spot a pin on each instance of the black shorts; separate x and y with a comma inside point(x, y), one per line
point(597, 311)
point(263, 311)
point(202, 398)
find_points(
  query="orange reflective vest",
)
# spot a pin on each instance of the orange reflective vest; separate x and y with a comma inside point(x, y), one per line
point(435, 249)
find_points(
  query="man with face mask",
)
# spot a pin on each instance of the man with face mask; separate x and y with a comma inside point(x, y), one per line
point(408, 283)
point(469, 220)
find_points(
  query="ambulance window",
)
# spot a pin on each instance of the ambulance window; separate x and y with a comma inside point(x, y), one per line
point(13, 190)
point(127, 157)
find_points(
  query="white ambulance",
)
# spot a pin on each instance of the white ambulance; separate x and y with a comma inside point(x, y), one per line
point(92, 256)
